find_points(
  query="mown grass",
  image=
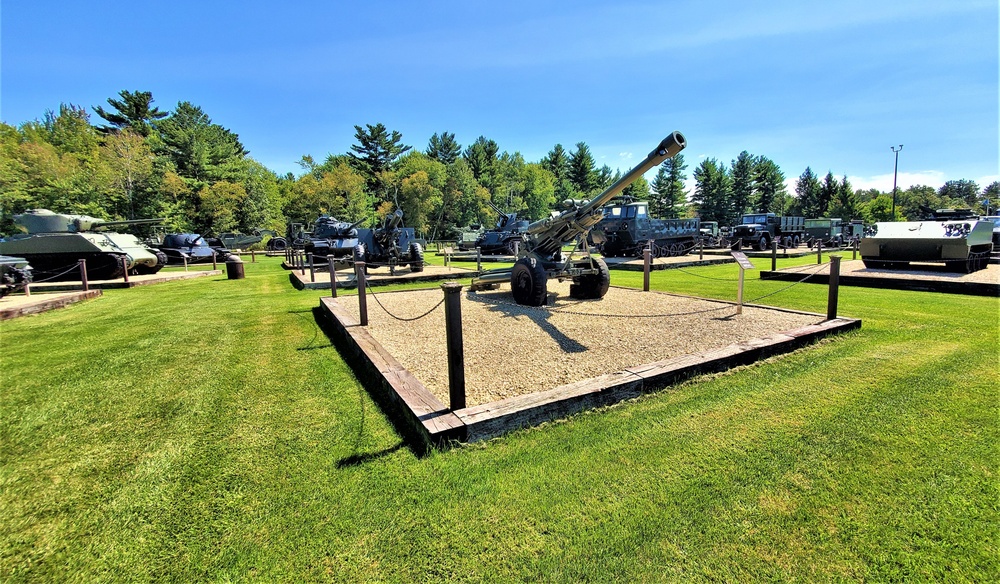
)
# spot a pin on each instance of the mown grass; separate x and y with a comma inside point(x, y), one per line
point(206, 430)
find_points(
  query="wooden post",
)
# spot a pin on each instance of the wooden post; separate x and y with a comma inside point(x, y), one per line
point(288, 258)
point(27, 289)
point(854, 250)
point(739, 244)
point(701, 249)
point(359, 272)
point(302, 262)
point(831, 303)
point(185, 261)
point(83, 275)
point(819, 251)
point(125, 266)
point(479, 259)
point(646, 257)
point(739, 293)
point(333, 276)
point(456, 352)
point(774, 255)
point(215, 266)
point(312, 268)
point(253, 256)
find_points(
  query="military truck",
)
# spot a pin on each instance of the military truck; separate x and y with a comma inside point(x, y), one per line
point(627, 229)
point(760, 229)
point(828, 230)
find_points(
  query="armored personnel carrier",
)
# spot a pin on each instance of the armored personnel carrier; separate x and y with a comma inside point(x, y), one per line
point(14, 274)
point(332, 237)
point(956, 238)
point(54, 243)
point(192, 247)
point(627, 228)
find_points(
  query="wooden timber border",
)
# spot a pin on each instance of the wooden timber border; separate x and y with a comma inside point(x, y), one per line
point(915, 283)
point(17, 306)
point(426, 422)
point(404, 276)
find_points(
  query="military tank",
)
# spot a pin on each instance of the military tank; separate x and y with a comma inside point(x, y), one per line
point(505, 237)
point(192, 247)
point(14, 274)
point(53, 243)
point(956, 238)
point(330, 236)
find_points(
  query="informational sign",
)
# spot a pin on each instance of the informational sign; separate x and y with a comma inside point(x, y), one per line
point(741, 259)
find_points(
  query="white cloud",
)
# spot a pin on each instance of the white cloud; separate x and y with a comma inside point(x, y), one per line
point(625, 155)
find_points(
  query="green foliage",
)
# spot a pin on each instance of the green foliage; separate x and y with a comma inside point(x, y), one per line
point(808, 202)
point(769, 187)
point(481, 156)
point(713, 193)
point(133, 111)
point(966, 191)
point(583, 173)
point(374, 154)
point(669, 199)
point(844, 203)
point(444, 148)
point(742, 173)
point(637, 189)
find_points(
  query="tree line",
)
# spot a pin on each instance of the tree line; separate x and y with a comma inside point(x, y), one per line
point(140, 162)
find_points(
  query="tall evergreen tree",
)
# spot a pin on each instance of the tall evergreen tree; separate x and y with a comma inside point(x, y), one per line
point(742, 174)
point(827, 192)
point(844, 203)
point(134, 110)
point(966, 191)
point(481, 157)
point(557, 162)
point(713, 192)
point(807, 191)
point(444, 148)
point(583, 170)
point(991, 198)
point(669, 199)
point(769, 187)
point(200, 150)
point(377, 149)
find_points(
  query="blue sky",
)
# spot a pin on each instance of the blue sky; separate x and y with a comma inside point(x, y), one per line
point(828, 85)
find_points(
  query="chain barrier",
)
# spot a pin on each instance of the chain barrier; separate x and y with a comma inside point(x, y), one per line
point(379, 302)
point(60, 274)
point(602, 315)
point(793, 284)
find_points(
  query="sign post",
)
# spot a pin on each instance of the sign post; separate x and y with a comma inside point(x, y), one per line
point(741, 259)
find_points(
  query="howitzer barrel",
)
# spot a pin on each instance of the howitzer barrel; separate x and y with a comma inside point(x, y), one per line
point(547, 236)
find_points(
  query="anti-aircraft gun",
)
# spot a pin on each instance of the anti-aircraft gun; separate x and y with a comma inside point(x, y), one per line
point(390, 244)
point(54, 243)
point(541, 256)
point(506, 236)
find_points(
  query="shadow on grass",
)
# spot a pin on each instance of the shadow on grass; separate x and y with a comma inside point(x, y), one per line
point(412, 439)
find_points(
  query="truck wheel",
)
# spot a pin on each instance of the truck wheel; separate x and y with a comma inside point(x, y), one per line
point(760, 244)
point(528, 282)
point(592, 286)
point(416, 257)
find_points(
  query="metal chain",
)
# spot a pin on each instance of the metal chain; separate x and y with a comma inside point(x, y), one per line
point(379, 302)
point(793, 284)
point(575, 313)
point(62, 273)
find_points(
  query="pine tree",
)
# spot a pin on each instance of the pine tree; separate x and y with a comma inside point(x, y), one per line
point(742, 174)
point(827, 192)
point(844, 203)
point(669, 199)
point(713, 192)
point(807, 191)
point(769, 187)
point(482, 157)
point(374, 155)
point(583, 170)
point(134, 110)
point(444, 148)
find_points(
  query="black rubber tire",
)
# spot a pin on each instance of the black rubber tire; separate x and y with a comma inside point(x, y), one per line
point(528, 282)
point(416, 257)
point(592, 286)
point(277, 244)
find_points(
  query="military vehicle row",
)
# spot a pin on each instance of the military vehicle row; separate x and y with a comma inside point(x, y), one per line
point(191, 248)
point(627, 229)
point(389, 244)
point(15, 273)
point(53, 244)
point(956, 238)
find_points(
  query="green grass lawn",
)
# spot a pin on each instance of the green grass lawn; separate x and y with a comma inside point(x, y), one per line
point(206, 430)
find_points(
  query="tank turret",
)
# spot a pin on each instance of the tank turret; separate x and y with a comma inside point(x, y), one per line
point(45, 221)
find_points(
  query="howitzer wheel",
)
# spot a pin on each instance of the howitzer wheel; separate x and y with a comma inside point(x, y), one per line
point(528, 282)
point(416, 257)
point(592, 286)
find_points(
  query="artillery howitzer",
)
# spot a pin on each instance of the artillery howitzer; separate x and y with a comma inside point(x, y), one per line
point(541, 257)
point(391, 244)
point(503, 238)
point(332, 237)
point(54, 242)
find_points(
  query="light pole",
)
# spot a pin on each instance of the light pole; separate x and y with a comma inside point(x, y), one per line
point(894, 169)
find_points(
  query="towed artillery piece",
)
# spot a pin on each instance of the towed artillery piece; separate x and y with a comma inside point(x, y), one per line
point(15, 273)
point(505, 237)
point(955, 237)
point(332, 237)
point(541, 256)
point(54, 243)
point(391, 245)
point(627, 229)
